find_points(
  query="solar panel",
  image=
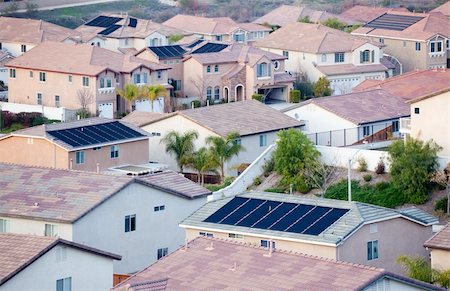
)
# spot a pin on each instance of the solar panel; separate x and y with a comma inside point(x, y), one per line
point(109, 30)
point(393, 21)
point(210, 48)
point(275, 215)
point(95, 134)
point(133, 22)
point(103, 21)
point(168, 51)
point(195, 43)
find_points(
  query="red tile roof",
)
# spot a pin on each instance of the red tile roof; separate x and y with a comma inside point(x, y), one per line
point(440, 240)
point(364, 14)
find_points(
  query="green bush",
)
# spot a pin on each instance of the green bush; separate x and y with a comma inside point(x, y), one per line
point(268, 166)
point(380, 168)
point(258, 97)
point(275, 190)
point(367, 177)
point(227, 181)
point(294, 96)
point(362, 165)
point(257, 181)
point(441, 205)
point(196, 103)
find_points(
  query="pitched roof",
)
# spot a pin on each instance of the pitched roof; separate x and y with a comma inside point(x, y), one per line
point(441, 240)
point(66, 196)
point(32, 31)
point(347, 69)
point(444, 9)
point(20, 250)
point(364, 14)
point(311, 38)
point(230, 265)
point(79, 59)
point(140, 118)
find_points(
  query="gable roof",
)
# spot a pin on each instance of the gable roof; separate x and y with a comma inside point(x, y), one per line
point(79, 59)
point(444, 9)
point(441, 240)
point(66, 196)
point(364, 14)
point(141, 118)
point(312, 38)
point(231, 265)
point(20, 250)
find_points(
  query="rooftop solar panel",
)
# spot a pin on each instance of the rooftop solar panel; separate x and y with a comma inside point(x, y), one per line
point(168, 51)
point(195, 43)
point(210, 48)
point(95, 134)
point(393, 21)
point(103, 21)
point(274, 215)
point(109, 30)
point(133, 22)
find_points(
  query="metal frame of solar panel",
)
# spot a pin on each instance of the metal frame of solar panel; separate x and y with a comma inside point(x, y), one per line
point(168, 51)
point(110, 29)
point(210, 48)
point(95, 134)
point(393, 21)
point(103, 21)
point(133, 22)
point(275, 215)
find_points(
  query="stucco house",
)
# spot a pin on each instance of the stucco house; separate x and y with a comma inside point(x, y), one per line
point(315, 50)
point(439, 246)
point(256, 123)
point(32, 262)
point(419, 41)
point(4, 58)
point(134, 217)
point(70, 75)
point(339, 230)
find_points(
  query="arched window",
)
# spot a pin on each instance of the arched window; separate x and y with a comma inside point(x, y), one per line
point(365, 56)
point(276, 65)
point(216, 93)
point(261, 70)
point(208, 69)
point(216, 68)
point(154, 42)
point(209, 93)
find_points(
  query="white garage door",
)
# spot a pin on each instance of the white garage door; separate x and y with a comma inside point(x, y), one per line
point(106, 110)
point(146, 106)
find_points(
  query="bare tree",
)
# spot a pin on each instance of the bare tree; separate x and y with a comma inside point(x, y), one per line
point(322, 175)
point(85, 99)
point(200, 86)
point(443, 177)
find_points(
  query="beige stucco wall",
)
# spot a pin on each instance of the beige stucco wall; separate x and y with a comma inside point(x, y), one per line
point(440, 259)
point(433, 121)
point(32, 151)
point(37, 227)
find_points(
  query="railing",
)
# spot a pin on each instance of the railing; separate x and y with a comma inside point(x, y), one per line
point(405, 125)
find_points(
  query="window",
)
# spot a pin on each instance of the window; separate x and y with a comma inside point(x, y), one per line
point(23, 48)
point(276, 65)
point(98, 44)
point(266, 244)
point(4, 225)
point(1, 46)
point(373, 228)
point(61, 254)
point(130, 223)
point(286, 54)
point(57, 101)
point(339, 57)
point(79, 157)
point(69, 78)
point(216, 68)
point(108, 83)
point(102, 83)
point(159, 208)
point(395, 126)
point(404, 43)
point(435, 46)
point(366, 130)
point(159, 75)
point(209, 93)
point(162, 252)
point(381, 40)
point(64, 284)
point(12, 73)
point(261, 70)
point(417, 46)
point(114, 152)
point(97, 148)
point(126, 41)
point(137, 78)
point(217, 93)
point(324, 58)
point(85, 81)
point(207, 234)
point(372, 250)
point(208, 69)
point(51, 230)
point(218, 37)
point(31, 74)
point(235, 235)
point(447, 44)
point(239, 37)
point(238, 141)
point(365, 56)
point(42, 76)
point(416, 110)
point(263, 140)
point(39, 99)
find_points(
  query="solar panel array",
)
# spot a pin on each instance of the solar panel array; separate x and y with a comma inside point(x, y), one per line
point(109, 30)
point(275, 215)
point(210, 48)
point(103, 21)
point(133, 22)
point(195, 43)
point(95, 134)
point(168, 51)
point(393, 21)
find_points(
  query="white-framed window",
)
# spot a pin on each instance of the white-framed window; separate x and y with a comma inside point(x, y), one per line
point(114, 151)
point(263, 70)
point(130, 223)
point(416, 110)
point(324, 58)
point(85, 81)
point(51, 230)
point(395, 126)
point(4, 225)
point(209, 93)
point(417, 46)
point(57, 101)
point(381, 40)
point(217, 93)
point(366, 130)
point(276, 65)
point(239, 37)
point(12, 73)
point(39, 99)
point(365, 56)
point(102, 83)
point(372, 250)
point(266, 244)
point(263, 140)
point(31, 74)
point(207, 234)
point(216, 68)
point(235, 235)
point(218, 37)
point(286, 54)
point(79, 157)
point(137, 78)
point(436, 46)
point(109, 83)
point(162, 252)
point(208, 69)
point(23, 48)
point(69, 78)
point(159, 208)
point(42, 76)
point(373, 228)
point(64, 284)
point(159, 75)
point(339, 57)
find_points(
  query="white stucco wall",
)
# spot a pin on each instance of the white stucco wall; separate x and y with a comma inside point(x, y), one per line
point(37, 227)
point(387, 284)
point(16, 48)
point(89, 272)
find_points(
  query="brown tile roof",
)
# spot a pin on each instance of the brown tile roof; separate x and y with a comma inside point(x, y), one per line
point(20, 250)
point(431, 25)
point(311, 38)
point(345, 69)
point(32, 31)
point(140, 118)
point(79, 59)
point(364, 14)
point(444, 9)
point(214, 264)
point(440, 240)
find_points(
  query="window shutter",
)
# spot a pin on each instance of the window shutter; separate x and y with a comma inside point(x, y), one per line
point(361, 57)
point(373, 56)
point(269, 72)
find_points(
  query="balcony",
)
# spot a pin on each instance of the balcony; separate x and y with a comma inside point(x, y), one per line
point(405, 125)
point(106, 90)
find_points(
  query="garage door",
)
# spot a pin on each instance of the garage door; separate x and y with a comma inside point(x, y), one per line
point(106, 110)
point(146, 106)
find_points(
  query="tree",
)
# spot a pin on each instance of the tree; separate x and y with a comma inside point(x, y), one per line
point(152, 92)
point(418, 268)
point(180, 145)
point(202, 161)
point(31, 7)
point(335, 23)
point(412, 164)
point(322, 176)
point(443, 178)
point(224, 149)
point(173, 38)
point(304, 19)
point(322, 87)
point(130, 93)
point(85, 99)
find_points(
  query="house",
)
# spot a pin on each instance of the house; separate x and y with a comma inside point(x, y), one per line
point(78, 75)
point(439, 246)
point(315, 50)
point(362, 14)
point(135, 217)
point(93, 145)
point(32, 262)
point(344, 120)
point(419, 41)
point(444, 9)
point(4, 58)
point(218, 29)
point(231, 265)
point(256, 123)
point(19, 35)
point(123, 33)
point(339, 230)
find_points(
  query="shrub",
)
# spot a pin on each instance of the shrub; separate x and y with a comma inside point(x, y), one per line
point(367, 177)
point(196, 103)
point(268, 167)
point(362, 165)
point(275, 190)
point(441, 205)
point(294, 96)
point(380, 168)
point(322, 87)
point(257, 181)
point(258, 97)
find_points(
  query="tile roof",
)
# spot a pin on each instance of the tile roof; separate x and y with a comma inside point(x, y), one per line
point(364, 14)
point(347, 69)
point(32, 31)
point(440, 240)
point(140, 118)
point(66, 196)
point(20, 250)
point(444, 9)
point(215, 264)
point(311, 38)
point(79, 59)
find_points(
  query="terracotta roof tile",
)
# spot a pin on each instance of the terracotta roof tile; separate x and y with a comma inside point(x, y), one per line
point(140, 118)
point(444, 9)
point(363, 14)
point(344, 69)
point(440, 240)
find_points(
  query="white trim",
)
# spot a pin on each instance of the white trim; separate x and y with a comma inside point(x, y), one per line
point(397, 38)
point(235, 92)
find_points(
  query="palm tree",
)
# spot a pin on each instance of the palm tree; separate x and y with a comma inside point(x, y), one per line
point(130, 93)
point(180, 145)
point(224, 149)
point(202, 161)
point(153, 91)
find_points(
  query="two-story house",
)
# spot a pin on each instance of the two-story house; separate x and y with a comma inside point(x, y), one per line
point(362, 14)
point(315, 50)
point(419, 41)
point(79, 76)
point(219, 28)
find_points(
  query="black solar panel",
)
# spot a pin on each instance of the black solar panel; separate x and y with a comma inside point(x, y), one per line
point(195, 43)
point(393, 21)
point(274, 215)
point(103, 21)
point(210, 48)
point(109, 30)
point(95, 134)
point(133, 22)
point(168, 51)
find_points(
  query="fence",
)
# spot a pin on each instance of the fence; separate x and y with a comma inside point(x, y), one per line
point(57, 113)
